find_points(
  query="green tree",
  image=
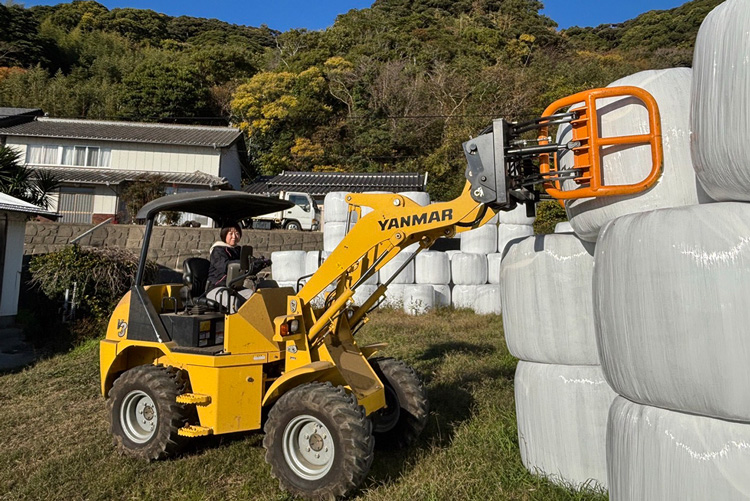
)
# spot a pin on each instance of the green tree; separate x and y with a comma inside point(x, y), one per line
point(23, 183)
point(136, 194)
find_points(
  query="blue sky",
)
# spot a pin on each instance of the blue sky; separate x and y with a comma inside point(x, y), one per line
point(315, 15)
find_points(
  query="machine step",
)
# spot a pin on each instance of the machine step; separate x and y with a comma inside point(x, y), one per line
point(194, 431)
point(193, 399)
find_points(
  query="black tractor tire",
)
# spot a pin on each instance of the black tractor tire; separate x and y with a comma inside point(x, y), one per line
point(293, 226)
point(318, 441)
point(143, 414)
point(400, 423)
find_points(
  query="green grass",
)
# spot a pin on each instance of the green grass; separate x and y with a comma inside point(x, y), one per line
point(55, 444)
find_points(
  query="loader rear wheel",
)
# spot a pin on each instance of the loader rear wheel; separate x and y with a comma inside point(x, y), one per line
point(143, 414)
point(318, 441)
point(399, 424)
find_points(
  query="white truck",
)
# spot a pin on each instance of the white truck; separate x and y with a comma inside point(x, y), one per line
point(304, 215)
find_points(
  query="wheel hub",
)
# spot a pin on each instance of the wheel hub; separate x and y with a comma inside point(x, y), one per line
point(308, 447)
point(138, 417)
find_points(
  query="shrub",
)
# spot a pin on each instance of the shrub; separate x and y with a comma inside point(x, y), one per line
point(102, 276)
point(548, 214)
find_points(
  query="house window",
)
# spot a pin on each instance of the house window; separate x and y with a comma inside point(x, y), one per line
point(76, 205)
point(76, 156)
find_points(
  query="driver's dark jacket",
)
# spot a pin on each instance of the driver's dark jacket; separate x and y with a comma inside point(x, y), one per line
point(221, 257)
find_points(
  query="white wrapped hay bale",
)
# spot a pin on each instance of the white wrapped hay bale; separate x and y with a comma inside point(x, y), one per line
point(336, 207)
point(720, 100)
point(418, 298)
point(658, 454)
point(432, 267)
point(313, 260)
point(451, 253)
point(482, 240)
point(333, 234)
point(516, 216)
point(625, 116)
point(420, 197)
point(394, 296)
point(464, 296)
point(391, 267)
point(442, 295)
point(548, 313)
point(363, 293)
point(288, 266)
point(469, 269)
point(494, 263)
point(671, 291)
point(508, 234)
point(563, 227)
point(562, 421)
point(488, 300)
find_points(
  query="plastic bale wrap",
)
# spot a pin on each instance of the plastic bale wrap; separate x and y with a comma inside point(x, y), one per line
point(464, 296)
point(391, 267)
point(363, 293)
point(562, 421)
point(720, 102)
point(516, 216)
point(442, 295)
point(658, 454)
point(288, 266)
point(488, 300)
point(336, 208)
point(451, 253)
point(418, 299)
point(469, 269)
point(313, 259)
point(420, 197)
point(671, 291)
point(432, 267)
point(482, 240)
point(563, 227)
point(394, 296)
point(624, 116)
point(547, 300)
point(333, 234)
point(494, 263)
point(508, 234)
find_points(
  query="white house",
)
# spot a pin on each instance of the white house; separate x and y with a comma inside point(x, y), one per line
point(92, 159)
point(13, 216)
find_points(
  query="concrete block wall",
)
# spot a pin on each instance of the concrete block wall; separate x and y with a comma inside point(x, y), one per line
point(169, 246)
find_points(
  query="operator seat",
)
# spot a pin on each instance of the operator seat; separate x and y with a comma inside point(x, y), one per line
point(195, 276)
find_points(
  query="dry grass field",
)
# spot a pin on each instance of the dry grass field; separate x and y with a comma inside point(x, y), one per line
point(55, 444)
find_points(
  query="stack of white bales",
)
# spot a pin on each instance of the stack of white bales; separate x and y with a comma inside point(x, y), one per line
point(671, 292)
point(550, 266)
point(562, 398)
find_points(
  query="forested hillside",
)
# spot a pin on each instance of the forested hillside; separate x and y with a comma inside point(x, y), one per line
point(396, 87)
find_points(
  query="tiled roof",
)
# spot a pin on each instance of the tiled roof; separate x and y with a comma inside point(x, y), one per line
point(12, 204)
point(130, 132)
point(12, 112)
point(320, 183)
point(116, 176)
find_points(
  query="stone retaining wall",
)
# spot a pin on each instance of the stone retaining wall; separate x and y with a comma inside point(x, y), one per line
point(169, 246)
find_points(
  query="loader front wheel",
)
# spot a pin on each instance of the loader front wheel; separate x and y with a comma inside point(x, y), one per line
point(399, 424)
point(143, 414)
point(318, 441)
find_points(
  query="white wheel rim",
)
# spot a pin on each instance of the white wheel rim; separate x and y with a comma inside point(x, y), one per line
point(308, 447)
point(138, 417)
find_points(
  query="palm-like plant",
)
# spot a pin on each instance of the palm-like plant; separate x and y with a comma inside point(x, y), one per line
point(17, 180)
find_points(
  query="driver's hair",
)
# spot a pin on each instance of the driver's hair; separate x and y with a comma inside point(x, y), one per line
point(225, 230)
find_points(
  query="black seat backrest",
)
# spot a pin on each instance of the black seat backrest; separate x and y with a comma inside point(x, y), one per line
point(195, 275)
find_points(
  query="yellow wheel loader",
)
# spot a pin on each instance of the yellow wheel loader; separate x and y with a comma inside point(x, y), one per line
point(175, 365)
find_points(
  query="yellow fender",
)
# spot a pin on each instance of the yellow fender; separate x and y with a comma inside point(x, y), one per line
point(315, 371)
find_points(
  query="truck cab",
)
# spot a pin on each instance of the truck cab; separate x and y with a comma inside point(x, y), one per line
point(304, 215)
